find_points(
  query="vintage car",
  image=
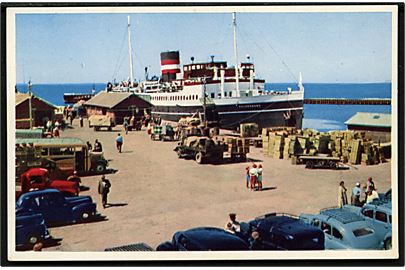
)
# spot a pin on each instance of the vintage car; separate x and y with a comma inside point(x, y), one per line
point(29, 230)
point(204, 239)
point(201, 149)
point(55, 207)
point(378, 213)
point(283, 232)
point(344, 229)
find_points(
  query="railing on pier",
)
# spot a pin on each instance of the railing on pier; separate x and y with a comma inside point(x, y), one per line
point(346, 101)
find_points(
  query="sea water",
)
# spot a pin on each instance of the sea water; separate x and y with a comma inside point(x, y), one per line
point(320, 117)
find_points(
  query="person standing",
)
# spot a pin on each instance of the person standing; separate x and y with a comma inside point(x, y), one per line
point(74, 178)
point(126, 125)
point(253, 176)
point(81, 121)
point(370, 184)
point(104, 186)
point(97, 146)
point(89, 146)
point(372, 195)
point(119, 140)
point(247, 177)
point(55, 132)
point(342, 196)
point(260, 177)
point(356, 192)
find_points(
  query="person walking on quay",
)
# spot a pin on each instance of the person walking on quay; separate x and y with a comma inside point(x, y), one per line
point(104, 186)
point(97, 146)
point(260, 177)
point(119, 140)
point(253, 176)
point(81, 121)
point(70, 116)
point(247, 177)
point(342, 196)
point(356, 192)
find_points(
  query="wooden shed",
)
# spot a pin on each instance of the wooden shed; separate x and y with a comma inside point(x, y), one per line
point(377, 125)
point(117, 105)
point(42, 111)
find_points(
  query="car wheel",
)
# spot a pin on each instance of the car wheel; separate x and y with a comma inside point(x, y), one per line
point(388, 244)
point(85, 215)
point(100, 168)
point(199, 158)
point(310, 165)
point(33, 239)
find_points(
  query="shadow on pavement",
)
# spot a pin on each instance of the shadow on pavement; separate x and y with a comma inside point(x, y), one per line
point(116, 204)
point(267, 188)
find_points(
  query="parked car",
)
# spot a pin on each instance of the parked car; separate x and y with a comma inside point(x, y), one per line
point(378, 213)
point(344, 229)
point(203, 239)
point(283, 232)
point(55, 207)
point(29, 230)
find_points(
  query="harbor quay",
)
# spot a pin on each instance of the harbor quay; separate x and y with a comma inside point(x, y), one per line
point(154, 193)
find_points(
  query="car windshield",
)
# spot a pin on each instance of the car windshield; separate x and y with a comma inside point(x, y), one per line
point(362, 232)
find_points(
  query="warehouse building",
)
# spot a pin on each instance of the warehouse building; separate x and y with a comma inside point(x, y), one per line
point(42, 111)
point(376, 125)
point(117, 105)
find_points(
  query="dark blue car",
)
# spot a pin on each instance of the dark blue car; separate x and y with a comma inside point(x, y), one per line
point(55, 207)
point(204, 239)
point(282, 232)
point(29, 230)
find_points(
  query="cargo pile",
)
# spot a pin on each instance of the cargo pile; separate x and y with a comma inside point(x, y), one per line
point(350, 146)
point(233, 145)
point(249, 130)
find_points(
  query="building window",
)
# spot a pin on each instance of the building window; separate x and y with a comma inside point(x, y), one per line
point(230, 94)
point(212, 95)
point(225, 94)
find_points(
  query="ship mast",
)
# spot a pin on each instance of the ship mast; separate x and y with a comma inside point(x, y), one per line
point(130, 51)
point(235, 49)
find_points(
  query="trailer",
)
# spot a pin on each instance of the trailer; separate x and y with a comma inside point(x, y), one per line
point(312, 162)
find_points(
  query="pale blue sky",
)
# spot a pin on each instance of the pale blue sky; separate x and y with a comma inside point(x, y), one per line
point(88, 48)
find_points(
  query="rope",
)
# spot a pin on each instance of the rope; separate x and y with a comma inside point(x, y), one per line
point(116, 68)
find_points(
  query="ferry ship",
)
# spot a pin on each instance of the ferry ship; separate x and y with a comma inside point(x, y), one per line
point(220, 93)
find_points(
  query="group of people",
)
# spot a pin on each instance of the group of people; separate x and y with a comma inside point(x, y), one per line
point(97, 146)
point(254, 177)
point(369, 190)
point(53, 128)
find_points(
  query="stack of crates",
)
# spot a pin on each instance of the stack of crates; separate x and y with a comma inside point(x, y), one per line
point(355, 152)
point(249, 130)
point(278, 146)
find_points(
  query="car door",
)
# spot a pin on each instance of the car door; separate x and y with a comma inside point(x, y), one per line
point(58, 208)
point(329, 240)
point(40, 204)
point(338, 240)
point(382, 223)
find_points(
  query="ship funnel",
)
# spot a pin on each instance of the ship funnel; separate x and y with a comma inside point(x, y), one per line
point(170, 65)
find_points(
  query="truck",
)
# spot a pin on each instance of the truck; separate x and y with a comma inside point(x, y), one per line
point(101, 121)
point(38, 179)
point(201, 149)
point(312, 162)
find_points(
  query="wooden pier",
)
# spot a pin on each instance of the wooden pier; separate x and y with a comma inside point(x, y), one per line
point(346, 101)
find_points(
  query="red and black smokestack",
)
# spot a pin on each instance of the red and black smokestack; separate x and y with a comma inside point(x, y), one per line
point(170, 65)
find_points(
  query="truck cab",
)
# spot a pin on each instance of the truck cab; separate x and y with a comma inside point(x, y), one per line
point(38, 179)
point(201, 149)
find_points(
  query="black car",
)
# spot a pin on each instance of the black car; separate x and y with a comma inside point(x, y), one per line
point(204, 239)
point(282, 232)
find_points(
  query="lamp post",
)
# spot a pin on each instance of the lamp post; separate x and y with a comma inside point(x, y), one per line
point(30, 101)
point(205, 98)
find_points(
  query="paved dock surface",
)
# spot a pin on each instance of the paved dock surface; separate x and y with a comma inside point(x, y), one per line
point(154, 193)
